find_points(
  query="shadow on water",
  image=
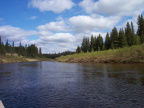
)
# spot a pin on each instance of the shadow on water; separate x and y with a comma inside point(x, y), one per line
point(5, 74)
point(34, 64)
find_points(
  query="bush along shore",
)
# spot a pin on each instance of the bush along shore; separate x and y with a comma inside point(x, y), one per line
point(133, 54)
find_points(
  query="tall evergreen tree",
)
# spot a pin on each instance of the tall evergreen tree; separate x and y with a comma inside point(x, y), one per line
point(114, 38)
point(85, 44)
point(7, 47)
point(107, 42)
point(40, 51)
point(122, 39)
point(95, 44)
point(2, 49)
point(128, 33)
point(13, 48)
point(20, 52)
point(100, 42)
point(78, 50)
point(92, 44)
point(140, 30)
point(133, 34)
point(84, 48)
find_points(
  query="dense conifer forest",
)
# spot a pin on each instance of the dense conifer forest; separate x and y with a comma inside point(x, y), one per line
point(27, 50)
point(116, 39)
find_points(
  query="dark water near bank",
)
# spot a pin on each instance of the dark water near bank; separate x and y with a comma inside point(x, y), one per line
point(63, 85)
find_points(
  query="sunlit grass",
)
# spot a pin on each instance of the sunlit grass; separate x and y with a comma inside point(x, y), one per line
point(127, 54)
point(11, 59)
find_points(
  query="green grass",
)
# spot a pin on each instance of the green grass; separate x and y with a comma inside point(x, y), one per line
point(122, 55)
point(12, 59)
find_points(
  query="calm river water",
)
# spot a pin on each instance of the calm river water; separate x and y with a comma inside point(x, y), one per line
point(64, 85)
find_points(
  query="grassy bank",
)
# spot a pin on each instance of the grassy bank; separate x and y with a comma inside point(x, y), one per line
point(13, 59)
point(131, 54)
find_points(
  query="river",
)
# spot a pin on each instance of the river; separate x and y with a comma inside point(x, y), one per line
point(71, 85)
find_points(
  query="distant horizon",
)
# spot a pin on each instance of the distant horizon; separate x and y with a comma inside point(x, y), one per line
point(58, 26)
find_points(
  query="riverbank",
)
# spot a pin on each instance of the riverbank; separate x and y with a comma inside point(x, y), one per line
point(133, 54)
point(13, 59)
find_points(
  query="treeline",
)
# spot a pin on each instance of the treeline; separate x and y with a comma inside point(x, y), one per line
point(55, 55)
point(116, 39)
point(27, 50)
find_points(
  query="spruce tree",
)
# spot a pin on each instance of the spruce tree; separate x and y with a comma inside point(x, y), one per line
point(128, 33)
point(78, 50)
point(13, 48)
point(40, 51)
point(7, 47)
point(107, 42)
point(140, 30)
point(85, 45)
point(122, 39)
point(100, 42)
point(92, 44)
point(95, 43)
point(2, 49)
point(114, 38)
point(20, 52)
point(133, 34)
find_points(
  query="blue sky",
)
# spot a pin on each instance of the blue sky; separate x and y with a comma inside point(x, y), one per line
point(60, 25)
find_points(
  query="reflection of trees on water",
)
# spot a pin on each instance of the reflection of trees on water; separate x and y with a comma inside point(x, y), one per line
point(130, 73)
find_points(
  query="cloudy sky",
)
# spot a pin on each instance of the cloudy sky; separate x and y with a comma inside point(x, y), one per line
point(60, 25)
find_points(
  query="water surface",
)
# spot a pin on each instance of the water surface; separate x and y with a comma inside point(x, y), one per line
point(64, 85)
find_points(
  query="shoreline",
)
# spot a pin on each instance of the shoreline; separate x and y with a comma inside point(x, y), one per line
point(15, 59)
point(97, 60)
point(133, 54)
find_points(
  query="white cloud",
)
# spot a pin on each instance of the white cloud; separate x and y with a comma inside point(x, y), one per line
point(14, 33)
point(53, 26)
point(33, 17)
point(94, 22)
point(58, 38)
point(56, 42)
point(56, 48)
point(56, 6)
point(114, 7)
